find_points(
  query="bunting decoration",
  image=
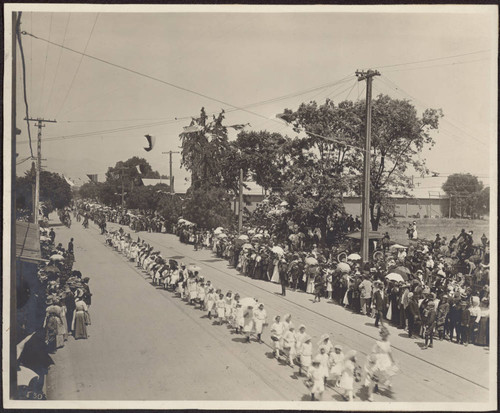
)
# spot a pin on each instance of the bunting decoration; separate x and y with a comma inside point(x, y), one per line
point(69, 181)
point(151, 142)
point(93, 178)
point(239, 126)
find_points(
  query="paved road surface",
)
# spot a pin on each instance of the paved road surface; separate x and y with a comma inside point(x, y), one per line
point(146, 344)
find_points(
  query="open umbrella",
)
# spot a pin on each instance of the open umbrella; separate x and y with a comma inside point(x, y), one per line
point(57, 257)
point(284, 204)
point(221, 235)
point(193, 268)
point(50, 268)
point(25, 375)
point(44, 238)
point(247, 246)
point(397, 247)
point(311, 261)
point(402, 270)
point(395, 277)
point(247, 301)
point(243, 237)
point(218, 230)
point(353, 257)
point(257, 236)
point(343, 266)
point(278, 250)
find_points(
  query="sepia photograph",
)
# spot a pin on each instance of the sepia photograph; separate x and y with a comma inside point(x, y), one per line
point(250, 207)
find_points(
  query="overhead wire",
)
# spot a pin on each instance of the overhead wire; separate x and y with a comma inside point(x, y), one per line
point(441, 65)
point(21, 51)
point(58, 61)
point(40, 102)
point(177, 86)
point(393, 85)
point(433, 59)
point(79, 63)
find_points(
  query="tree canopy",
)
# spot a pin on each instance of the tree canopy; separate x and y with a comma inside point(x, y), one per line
point(467, 195)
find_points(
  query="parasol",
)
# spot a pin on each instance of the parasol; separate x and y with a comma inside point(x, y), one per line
point(247, 301)
point(343, 266)
point(397, 247)
point(221, 235)
point(44, 238)
point(403, 271)
point(25, 375)
point(193, 268)
point(247, 246)
point(311, 261)
point(278, 250)
point(57, 257)
point(284, 204)
point(218, 230)
point(354, 257)
point(50, 268)
point(395, 277)
point(257, 236)
point(243, 237)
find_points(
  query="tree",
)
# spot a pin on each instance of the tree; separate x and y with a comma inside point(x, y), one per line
point(89, 190)
point(465, 195)
point(128, 172)
point(208, 208)
point(207, 153)
point(55, 192)
point(483, 202)
point(398, 137)
point(170, 208)
point(147, 197)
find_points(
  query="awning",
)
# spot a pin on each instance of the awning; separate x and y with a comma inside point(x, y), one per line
point(372, 235)
point(28, 242)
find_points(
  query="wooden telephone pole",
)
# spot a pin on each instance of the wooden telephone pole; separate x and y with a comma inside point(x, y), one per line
point(365, 211)
point(240, 203)
point(171, 175)
point(40, 125)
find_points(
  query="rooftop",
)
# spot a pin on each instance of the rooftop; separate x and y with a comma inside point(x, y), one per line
point(27, 242)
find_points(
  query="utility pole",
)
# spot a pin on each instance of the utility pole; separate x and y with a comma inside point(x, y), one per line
point(171, 175)
point(240, 204)
point(449, 207)
point(365, 208)
point(40, 125)
point(122, 168)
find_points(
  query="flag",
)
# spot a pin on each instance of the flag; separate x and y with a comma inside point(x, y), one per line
point(239, 126)
point(93, 177)
point(192, 128)
point(151, 141)
point(69, 181)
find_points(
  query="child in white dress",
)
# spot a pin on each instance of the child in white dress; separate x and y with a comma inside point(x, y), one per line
point(220, 306)
point(305, 355)
point(289, 344)
point(315, 375)
point(277, 330)
point(336, 364)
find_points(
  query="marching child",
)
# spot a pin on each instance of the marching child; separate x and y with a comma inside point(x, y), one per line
point(201, 294)
point(220, 305)
point(277, 330)
point(347, 378)
point(323, 359)
point(305, 355)
point(239, 319)
point(316, 375)
point(211, 297)
point(289, 342)
point(228, 301)
point(336, 360)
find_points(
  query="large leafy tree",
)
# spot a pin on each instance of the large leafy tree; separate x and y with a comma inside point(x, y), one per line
point(465, 191)
point(129, 173)
point(147, 198)
point(208, 208)
point(399, 136)
point(55, 192)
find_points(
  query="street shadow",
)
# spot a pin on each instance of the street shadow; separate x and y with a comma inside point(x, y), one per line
point(362, 393)
point(239, 340)
point(338, 398)
point(177, 257)
point(295, 375)
point(204, 316)
point(370, 324)
point(211, 260)
point(270, 354)
point(420, 344)
point(306, 398)
point(386, 392)
point(404, 335)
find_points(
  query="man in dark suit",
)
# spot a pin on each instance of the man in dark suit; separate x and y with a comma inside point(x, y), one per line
point(413, 313)
point(379, 302)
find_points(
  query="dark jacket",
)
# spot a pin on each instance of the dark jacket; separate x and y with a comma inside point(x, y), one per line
point(379, 302)
point(413, 309)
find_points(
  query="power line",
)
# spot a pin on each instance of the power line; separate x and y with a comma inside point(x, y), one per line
point(444, 64)
point(18, 35)
point(58, 61)
point(434, 59)
point(79, 63)
point(179, 87)
point(45, 65)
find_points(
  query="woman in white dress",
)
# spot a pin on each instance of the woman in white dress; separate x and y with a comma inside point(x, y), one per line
point(260, 319)
point(305, 355)
point(383, 364)
point(277, 330)
point(276, 274)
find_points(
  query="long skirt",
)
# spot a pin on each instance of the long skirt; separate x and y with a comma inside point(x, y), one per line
point(483, 332)
point(80, 327)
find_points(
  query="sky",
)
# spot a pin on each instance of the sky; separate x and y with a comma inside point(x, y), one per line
point(436, 59)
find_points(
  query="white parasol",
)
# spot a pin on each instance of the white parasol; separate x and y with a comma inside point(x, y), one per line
point(353, 257)
point(56, 257)
point(193, 268)
point(257, 236)
point(278, 250)
point(311, 261)
point(398, 247)
point(218, 230)
point(221, 235)
point(243, 237)
point(343, 266)
point(394, 276)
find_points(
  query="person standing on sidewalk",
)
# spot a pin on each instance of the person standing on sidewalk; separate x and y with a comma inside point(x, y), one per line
point(365, 293)
point(429, 324)
point(379, 303)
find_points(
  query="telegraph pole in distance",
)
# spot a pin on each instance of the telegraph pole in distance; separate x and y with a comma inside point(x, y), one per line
point(171, 177)
point(365, 211)
point(40, 125)
point(240, 204)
